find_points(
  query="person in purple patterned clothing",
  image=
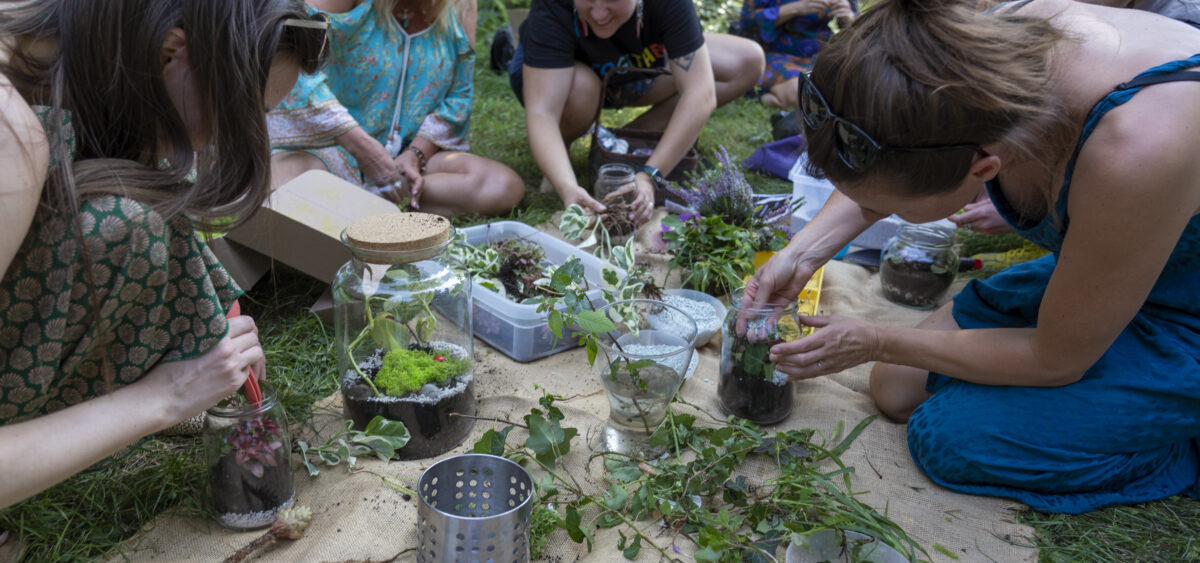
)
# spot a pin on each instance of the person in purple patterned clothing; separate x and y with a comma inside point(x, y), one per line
point(790, 33)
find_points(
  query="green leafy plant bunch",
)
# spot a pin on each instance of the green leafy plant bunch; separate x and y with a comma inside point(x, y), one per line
point(400, 327)
point(254, 440)
point(699, 492)
point(716, 245)
point(381, 438)
point(510, 267)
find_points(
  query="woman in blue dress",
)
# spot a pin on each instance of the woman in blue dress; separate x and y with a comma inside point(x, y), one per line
point(1068, 383)
point(391, 110)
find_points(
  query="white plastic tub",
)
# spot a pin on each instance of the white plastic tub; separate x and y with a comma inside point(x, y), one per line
point(517, 330)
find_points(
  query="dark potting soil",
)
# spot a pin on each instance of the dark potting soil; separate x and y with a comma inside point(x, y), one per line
point(913, 283)
point(237, 491)
point(432, 430)
point(754, 397)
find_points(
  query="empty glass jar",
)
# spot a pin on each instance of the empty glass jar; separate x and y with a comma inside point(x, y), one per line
point(402, 316)
point(918, 266)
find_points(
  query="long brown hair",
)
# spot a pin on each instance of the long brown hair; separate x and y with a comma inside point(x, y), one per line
point(100, 60)
point(938, 72)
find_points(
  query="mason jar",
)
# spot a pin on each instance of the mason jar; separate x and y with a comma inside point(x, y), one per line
point(918, 266)
point(750, 387)
point(402, 318)
point(612, 177)
point(248, 452)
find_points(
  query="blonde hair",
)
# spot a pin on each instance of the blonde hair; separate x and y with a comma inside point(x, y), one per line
point(939, 72)
point(384, 12)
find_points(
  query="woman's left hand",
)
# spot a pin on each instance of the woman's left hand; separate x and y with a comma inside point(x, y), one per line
point(643, 200)
point(410, 167)
point(837, 344)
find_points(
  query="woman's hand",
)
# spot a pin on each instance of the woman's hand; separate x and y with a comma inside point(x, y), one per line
point(803, 8)
point(838, 343)
point(840, 9)
point(410, 168)
point(981, 216)
point(188, 387)
point(642, 206)
point(579, 196)
point(778, 281)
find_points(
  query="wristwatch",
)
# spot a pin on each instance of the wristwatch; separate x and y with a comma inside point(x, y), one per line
point(654, 174)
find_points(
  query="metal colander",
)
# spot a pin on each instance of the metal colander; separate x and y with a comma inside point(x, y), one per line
point(474, 508)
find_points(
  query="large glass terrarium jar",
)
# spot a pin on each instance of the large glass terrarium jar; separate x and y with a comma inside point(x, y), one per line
point(402, 316)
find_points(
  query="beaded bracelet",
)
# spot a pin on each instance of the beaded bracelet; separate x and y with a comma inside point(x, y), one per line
point(421, 161)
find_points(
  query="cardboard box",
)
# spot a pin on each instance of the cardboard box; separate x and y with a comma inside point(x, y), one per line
point(244, 265)
point(301, 223)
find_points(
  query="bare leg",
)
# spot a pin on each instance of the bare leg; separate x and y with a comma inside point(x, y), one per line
point(580, 110)
point(286, 166)
point(737, 63)
point(459, 182)
point(898, 390)
point(784, 95)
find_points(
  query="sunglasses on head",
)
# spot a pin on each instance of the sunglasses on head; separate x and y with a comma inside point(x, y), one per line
point(319, 23)
point(856, 149)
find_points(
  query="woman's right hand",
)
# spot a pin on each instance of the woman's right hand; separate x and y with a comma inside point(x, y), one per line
point(581, 197)
point(377, 165)
point(188, 387)
point(778, 281)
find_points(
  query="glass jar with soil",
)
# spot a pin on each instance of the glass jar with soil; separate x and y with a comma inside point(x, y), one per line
point(249, 454)
point(642, 363)
point(918, 266)
point(402, 316)
point(750, 387)
point(610, 178)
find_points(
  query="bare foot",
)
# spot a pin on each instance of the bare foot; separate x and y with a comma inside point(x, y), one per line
point(772, 101)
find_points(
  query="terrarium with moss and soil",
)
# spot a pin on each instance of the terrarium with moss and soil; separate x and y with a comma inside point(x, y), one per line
point(402, 315)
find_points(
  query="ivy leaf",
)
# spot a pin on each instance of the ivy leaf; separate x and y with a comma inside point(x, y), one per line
point(330, 458)
point(547, 439)
point(572, 524)
point(378, 445)
point(615, 497)
point(634, 547)
point(622, 470)
point(312, 469)
point(393, 431)
point(493, 442)
point(594, 322)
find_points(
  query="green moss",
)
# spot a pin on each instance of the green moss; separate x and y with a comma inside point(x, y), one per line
point(406, 371)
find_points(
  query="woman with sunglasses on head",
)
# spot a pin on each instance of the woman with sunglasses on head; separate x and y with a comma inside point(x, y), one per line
point(1068, 383)
point(391, 110)
point(569, 46)
point(126, 125)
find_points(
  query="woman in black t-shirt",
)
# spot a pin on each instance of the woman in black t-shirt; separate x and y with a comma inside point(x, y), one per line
point(568, 46)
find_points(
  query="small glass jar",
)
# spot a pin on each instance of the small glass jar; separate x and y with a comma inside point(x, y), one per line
point(402, 316)
point(613, 177)
point(918, 266)
point(249, 455)
point(750, 387)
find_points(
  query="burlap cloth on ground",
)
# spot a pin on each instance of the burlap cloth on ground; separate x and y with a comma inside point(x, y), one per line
point(358, 517)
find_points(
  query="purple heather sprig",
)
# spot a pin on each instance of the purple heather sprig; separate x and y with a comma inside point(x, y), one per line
point(721, 190)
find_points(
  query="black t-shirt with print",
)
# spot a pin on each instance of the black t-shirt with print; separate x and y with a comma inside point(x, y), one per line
point(552, 37)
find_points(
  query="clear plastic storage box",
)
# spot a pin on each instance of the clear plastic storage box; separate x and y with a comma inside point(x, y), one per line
point(520, 331)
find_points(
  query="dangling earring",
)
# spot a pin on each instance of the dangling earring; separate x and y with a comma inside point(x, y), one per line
point(639, 19)
point(579, 22)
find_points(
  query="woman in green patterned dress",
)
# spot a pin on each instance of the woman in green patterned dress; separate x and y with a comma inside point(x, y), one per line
point(126, 126)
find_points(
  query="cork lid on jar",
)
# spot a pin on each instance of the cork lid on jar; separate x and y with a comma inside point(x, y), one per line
point(399, 237)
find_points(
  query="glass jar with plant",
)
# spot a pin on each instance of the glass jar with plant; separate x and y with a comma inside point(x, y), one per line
point(918, 266)
point(402, 315)
point(249, 459)
point(750, 387)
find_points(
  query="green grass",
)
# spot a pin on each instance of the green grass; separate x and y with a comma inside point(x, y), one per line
point(87, 516)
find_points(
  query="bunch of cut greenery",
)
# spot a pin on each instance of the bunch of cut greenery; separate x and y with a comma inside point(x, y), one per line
point(699, 490)
point(716, 245)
